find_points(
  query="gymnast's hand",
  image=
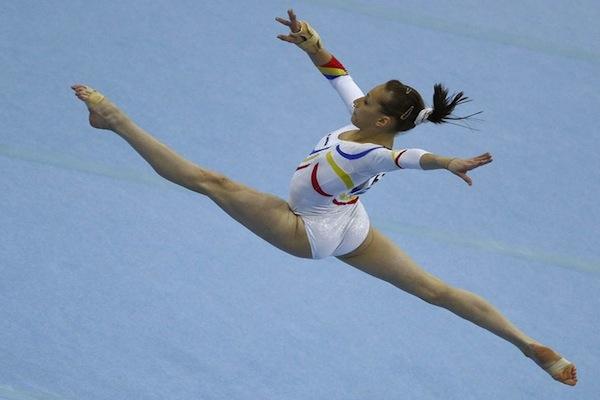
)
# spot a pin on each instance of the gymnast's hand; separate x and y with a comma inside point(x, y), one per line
point(460, 167)
point(295, 27)
point(303, 35)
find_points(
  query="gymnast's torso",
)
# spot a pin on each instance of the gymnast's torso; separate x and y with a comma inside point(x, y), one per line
point(337, 172)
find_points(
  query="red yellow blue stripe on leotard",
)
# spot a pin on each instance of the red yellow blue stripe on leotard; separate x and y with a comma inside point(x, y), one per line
point(343, 175)
point(319, 150)
point(333, 69)
point(357, 155)
point(397, 156)
point(315, 182)
point(345, 199)
point(350, 200)
point(311, 157)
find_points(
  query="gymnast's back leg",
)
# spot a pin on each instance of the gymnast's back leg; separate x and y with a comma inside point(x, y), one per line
point(380, 257)
point(266, 215)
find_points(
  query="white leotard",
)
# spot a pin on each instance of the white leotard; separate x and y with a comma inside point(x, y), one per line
point(336, 172)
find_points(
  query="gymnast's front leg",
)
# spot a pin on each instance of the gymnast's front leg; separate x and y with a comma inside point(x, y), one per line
point(383, 259)
point(267, 216)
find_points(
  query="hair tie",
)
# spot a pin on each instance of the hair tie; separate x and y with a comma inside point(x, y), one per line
point(423, 115)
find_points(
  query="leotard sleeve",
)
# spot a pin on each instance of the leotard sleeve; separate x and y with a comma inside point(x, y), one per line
point(342, 82)
point(359, 166)
point(384, 159)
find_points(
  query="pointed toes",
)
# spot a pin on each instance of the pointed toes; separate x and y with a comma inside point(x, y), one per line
point(568, 376)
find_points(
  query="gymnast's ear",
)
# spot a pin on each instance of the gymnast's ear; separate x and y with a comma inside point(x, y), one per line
point(384, 121)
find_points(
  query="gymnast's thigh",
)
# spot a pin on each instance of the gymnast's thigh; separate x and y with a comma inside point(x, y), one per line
point(266, 215)
point(381, 257)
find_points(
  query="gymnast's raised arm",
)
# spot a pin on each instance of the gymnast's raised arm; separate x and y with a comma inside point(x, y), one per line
point(405, 111)
point(305, 37)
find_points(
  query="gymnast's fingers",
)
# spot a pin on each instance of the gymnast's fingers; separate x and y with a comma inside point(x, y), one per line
point(466, 178)
point(484, 156)
point(295, 25)
point(483, 161)
point(283, 21)
point(289, 38)
point(292, 16)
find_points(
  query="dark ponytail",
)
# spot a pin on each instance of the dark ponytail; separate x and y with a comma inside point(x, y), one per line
point(406, 103)
point(443, 105)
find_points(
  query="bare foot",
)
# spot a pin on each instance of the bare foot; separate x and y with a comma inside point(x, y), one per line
point(553, 363)
point(93, 99)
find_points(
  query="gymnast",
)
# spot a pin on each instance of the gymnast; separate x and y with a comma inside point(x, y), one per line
point(324, 215)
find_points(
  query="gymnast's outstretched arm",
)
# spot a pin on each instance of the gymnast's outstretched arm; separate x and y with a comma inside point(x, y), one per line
point(305, 37)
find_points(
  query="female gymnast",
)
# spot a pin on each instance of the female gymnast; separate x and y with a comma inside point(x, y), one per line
point(324, 216)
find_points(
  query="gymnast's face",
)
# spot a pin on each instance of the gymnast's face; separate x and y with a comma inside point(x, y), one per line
point(368, 113)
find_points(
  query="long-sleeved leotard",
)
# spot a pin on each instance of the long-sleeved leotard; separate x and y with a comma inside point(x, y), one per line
point(336, 172)
point(326, 186)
